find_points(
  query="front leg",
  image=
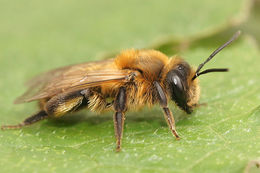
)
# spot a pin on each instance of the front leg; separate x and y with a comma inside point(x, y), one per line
point(167, 112)
point(119, 116)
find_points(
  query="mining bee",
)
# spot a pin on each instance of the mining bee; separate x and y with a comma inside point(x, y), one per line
point(132, 79)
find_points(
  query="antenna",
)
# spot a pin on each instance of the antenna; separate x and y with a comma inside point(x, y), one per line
point(198, 73)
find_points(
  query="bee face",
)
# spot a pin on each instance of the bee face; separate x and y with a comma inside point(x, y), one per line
point(180, 86)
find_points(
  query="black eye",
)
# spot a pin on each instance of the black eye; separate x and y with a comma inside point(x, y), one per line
point(177, 82)
point(177, 85)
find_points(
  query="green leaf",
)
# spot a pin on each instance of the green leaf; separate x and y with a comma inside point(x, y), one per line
point(220, 137)
point(64, 30)
point(253, 23)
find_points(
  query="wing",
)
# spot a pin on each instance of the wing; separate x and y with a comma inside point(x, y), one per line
point(72, 78)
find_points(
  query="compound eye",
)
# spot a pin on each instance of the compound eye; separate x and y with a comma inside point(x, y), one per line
point(177, 80)
point(177, 83)
point(178, 89)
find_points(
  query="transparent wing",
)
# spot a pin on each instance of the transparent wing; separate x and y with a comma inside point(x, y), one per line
point(72, 78)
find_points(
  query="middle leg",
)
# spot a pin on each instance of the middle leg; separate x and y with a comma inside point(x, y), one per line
point(119, 116)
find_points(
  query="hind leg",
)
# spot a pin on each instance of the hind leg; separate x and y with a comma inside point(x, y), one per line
point(57, 106)
point(30, 120)
point(61, 104)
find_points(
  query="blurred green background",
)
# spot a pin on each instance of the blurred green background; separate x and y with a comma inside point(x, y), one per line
point(224, 136)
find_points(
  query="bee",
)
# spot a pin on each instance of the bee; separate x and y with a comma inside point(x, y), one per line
point(131, 80)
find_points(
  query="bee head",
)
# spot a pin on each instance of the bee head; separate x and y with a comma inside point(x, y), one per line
point(182, 89)
point(181, 79)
